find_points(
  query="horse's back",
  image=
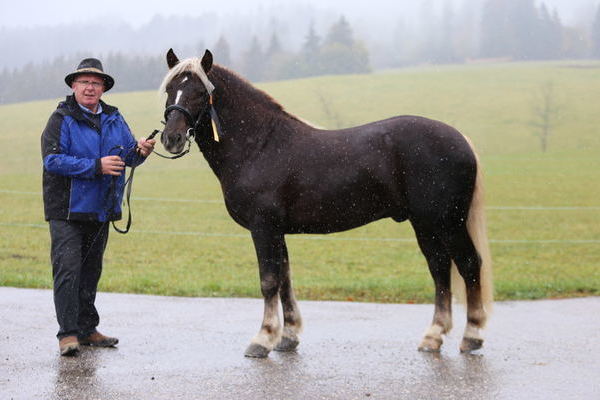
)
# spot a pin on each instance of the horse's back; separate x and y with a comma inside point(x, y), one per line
point(337, 180)
point(407, 146)
point(423, 163)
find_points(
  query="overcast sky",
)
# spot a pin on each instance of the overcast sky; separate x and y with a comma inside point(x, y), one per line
point(136, 12)
point(27, 13)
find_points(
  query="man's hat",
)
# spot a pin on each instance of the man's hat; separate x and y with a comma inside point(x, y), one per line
point(91, 66)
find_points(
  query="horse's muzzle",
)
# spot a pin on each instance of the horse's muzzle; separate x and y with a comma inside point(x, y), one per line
point(174, 142)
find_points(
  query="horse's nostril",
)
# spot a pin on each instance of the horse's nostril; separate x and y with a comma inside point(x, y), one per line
point(173, 140)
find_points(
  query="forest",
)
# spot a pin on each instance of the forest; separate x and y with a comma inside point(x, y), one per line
point(496, 30)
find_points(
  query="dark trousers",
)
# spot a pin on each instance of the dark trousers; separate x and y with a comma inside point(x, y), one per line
point(76, 254)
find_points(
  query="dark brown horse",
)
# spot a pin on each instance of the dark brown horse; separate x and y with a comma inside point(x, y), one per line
point(281, 176)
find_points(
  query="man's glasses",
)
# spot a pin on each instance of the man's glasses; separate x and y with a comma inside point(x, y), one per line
point(94, 84)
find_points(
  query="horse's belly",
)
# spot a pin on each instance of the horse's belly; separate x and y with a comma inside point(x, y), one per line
point(335, 216)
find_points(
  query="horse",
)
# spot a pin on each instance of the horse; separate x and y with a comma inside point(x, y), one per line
point(279, 175)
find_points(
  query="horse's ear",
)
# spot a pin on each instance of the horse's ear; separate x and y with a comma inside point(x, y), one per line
point(172, 59)
point(207, 61)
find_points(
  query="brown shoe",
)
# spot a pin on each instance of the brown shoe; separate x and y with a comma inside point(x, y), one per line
point(69, 346)
point(99, 340)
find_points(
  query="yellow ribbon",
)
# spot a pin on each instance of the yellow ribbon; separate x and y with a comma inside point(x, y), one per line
point(212, 121)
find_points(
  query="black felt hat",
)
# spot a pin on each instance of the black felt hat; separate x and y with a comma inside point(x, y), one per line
point(91, 66)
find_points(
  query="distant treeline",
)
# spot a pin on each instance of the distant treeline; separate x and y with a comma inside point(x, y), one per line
point(337, 53)
point(505, 29)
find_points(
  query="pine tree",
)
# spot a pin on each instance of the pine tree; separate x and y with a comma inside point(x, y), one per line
point(253, 61)
point(221, 52)
point(340, 54)
point(277, 61)
point(494, 28)
point(596, 35)
point(445, 51)
point(308, 62)
point(311, 50)
point(517, 29)
point(550, 35)
point(340, 33)
point(274, 46)
point(525, 28)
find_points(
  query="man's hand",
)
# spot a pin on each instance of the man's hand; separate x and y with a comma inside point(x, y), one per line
point(112, 165)
point(145, 147)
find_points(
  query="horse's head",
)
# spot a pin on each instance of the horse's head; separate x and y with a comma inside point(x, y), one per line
point(188, 91)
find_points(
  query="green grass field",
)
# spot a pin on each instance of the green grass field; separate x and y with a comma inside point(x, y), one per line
point(543, 208)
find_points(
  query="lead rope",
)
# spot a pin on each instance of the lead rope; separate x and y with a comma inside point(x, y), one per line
point(129, 181)
point(112, 193)
point(216, 129)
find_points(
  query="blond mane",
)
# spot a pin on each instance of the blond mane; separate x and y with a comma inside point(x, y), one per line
point(193, 65)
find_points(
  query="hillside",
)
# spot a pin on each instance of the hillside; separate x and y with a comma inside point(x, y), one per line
point(543, 208)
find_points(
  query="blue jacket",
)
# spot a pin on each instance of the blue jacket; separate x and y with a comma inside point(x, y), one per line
point(72, 145)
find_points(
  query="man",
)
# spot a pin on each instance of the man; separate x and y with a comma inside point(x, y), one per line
point(85, 148)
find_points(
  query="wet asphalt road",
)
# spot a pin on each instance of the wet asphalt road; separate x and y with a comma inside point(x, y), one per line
point(192, 348)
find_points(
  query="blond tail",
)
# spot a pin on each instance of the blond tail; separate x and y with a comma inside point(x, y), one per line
point(476, 226)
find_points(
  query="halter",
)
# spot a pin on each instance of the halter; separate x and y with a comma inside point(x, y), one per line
point(191, 132)
point(194, 125)
point(188, 117)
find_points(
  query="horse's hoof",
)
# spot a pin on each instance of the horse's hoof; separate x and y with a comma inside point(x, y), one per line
point(430, 345)
point(257, 351)
point(287, 344)
point(427, 349)
point(470, 344)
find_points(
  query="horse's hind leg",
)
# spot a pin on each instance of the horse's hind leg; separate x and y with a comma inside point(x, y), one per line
point(439, 264)
point(292, 321)
point(269, 252)
point(468, 262)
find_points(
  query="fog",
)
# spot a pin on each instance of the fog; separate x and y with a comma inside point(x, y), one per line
point(137, 12)
point(35, 31)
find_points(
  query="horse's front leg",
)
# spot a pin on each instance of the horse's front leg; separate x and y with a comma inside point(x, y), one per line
point(269, 252)
point(292, 321)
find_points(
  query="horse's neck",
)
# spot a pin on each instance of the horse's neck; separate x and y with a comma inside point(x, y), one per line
point(248, 121)
point(242, 106)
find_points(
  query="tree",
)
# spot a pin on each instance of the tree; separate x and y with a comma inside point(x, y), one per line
point(575, 43)
point(428, 36)
point(524, 29)
point(550, 35)
point(222, 52)
point(517, 29)
point(494, 27)
point(46, 80)
point(309, 60)
point(340, 33)
point(274, 46)
point(509, 28)
point(466, 31)
point(546, 112)
point(340, 54)
point(596, 35)
point(276, 60)
point(445, 42)
point(335, 120)
point(253, 61)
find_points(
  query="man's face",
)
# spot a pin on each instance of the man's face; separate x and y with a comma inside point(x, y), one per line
point(88, 89)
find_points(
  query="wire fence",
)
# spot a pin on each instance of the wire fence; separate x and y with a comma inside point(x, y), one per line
point(327, 237)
